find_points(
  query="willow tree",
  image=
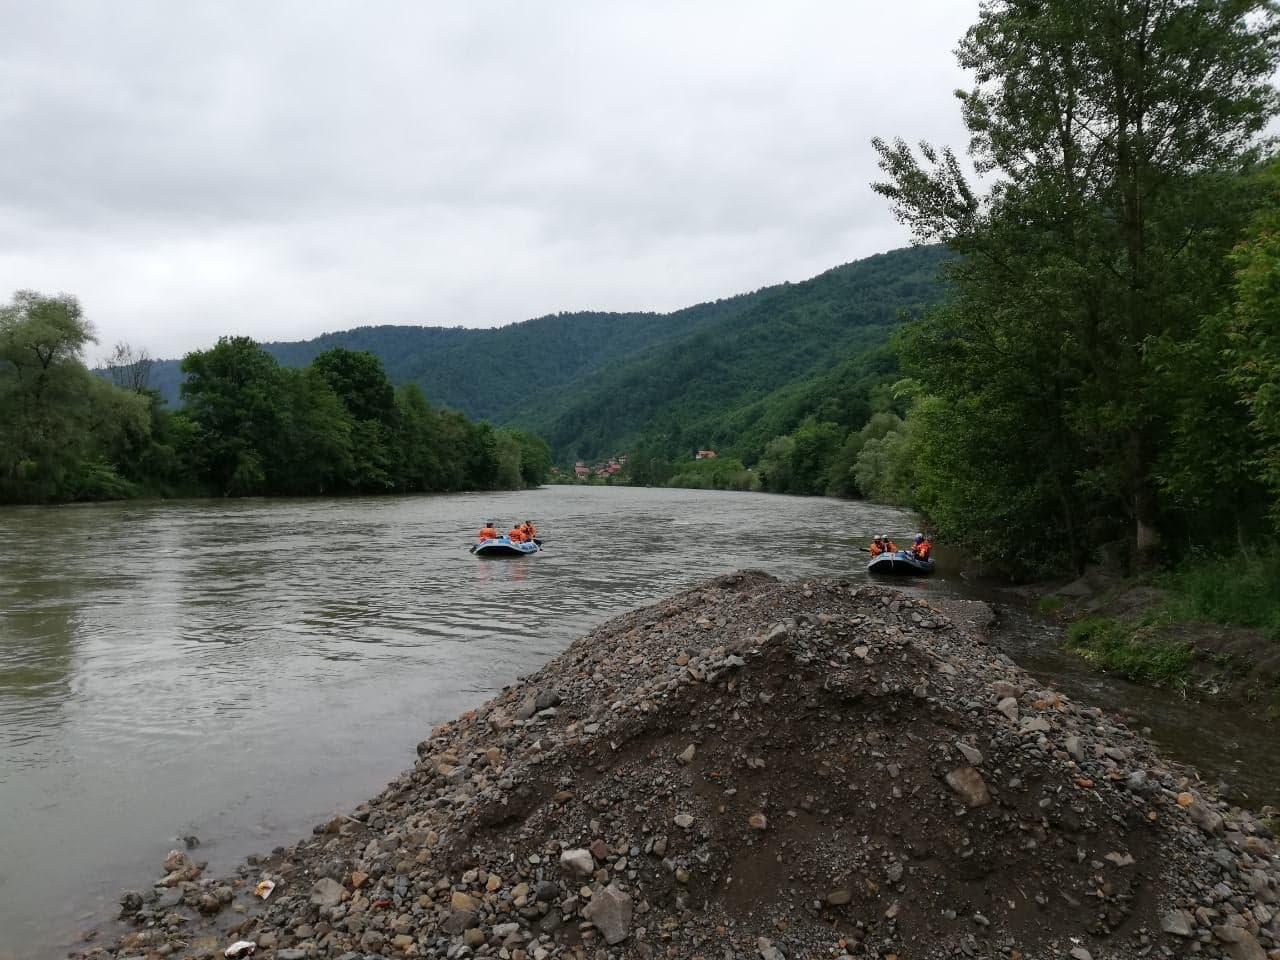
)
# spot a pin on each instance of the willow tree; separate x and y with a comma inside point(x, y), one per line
point(1111, 137)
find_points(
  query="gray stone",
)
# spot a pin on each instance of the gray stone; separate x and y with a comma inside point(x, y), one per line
point(1003, 690)
point(547, 699)
point(969, 786)
point(1080, 953)
point(292, 953)
point(972, 754)
point(1240, 943)
point(1178, 923)
point(1074, 748)
point(579, 863)
point(1139, 782)
point(1035, 725)
point(610, 911)
point(1009, 707)
point(327, 893)
point(768, 951)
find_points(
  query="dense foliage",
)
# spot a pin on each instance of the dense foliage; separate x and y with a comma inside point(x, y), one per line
point(249, 426)
point(734, 372)
point(1098, 376)
point(735, 381)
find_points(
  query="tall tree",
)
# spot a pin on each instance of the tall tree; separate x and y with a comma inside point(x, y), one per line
point(1114, 133)
point(234, 393)
point(58, 423)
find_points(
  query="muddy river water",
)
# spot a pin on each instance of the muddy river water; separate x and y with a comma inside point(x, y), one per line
point(237, 671)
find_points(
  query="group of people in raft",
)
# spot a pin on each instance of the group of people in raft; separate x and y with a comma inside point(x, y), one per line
point(920, 549)
point(520, 533)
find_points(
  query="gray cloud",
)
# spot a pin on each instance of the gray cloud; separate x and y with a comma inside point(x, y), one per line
point(288, 168)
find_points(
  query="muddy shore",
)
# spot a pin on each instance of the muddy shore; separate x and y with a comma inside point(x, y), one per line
point(760, 770)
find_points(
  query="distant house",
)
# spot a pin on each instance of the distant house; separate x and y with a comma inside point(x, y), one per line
point(580, 469)
point(705, 455)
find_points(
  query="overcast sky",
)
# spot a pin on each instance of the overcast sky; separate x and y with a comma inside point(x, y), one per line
point(281, 169)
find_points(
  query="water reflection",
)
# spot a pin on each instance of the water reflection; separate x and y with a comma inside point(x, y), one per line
point(38, 632)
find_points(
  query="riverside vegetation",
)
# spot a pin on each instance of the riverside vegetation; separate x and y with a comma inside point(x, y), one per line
point(249, 426)
point(1100, 381)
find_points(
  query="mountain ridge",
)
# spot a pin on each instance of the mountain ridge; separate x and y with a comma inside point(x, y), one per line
point(592, 381)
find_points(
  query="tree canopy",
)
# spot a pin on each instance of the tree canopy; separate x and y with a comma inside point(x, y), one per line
point(1120, 141)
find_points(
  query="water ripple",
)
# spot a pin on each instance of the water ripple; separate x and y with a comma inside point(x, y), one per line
point(239, 669)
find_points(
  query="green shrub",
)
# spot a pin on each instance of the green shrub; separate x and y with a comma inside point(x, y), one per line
point(1242, 589)
point(1051, 604)
point(1133, 649)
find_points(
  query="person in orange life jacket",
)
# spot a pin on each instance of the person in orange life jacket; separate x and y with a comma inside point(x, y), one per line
point(488, 532)
point(517, 534)
point(530, 531)
point(922, 547)
point(889, 545)
point(877, 546)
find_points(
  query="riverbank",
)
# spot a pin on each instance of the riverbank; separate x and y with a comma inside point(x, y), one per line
point(1210, 629)
point(762, 769)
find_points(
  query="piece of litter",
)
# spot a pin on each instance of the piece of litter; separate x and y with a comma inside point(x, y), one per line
point(241, 948)
point(264, 888)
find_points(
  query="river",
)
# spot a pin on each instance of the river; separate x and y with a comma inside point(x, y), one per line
point(239, 670)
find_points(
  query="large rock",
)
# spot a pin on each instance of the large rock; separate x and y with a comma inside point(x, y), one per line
point(1239, 943)
point(578, 863)
point(969, 786)
point(327, 892)
point(1178, 922)
point(610, 911)
point(547, 699)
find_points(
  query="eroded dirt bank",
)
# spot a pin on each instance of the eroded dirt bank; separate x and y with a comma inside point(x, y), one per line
point(760, 770)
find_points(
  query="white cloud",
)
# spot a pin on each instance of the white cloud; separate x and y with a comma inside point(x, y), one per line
point(284, 169)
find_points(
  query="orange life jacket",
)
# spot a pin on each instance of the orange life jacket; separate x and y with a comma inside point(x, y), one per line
point(488, 533)
point(890, 546)
point(516, 535)
point(529, 529)
point(923, 548)
point(876, 548)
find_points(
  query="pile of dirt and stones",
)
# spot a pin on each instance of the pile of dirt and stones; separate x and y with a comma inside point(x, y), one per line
point(756, 769)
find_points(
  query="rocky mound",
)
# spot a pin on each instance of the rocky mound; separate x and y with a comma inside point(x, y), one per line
point(753, 769)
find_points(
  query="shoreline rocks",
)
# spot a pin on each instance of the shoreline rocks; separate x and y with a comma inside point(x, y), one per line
point(758, 769)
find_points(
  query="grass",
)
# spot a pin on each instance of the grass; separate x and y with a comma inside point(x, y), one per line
point(1241, 589)
point(1051, 604)
point(1133, 648)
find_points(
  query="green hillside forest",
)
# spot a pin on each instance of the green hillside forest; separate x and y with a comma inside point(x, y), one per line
point(600, 382)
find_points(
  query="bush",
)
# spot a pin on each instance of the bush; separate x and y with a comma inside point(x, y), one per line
point(1133, 649)
point(1243, 589)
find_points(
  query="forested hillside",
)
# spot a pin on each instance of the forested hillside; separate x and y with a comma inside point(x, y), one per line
point(708, 386)
point(593, 383)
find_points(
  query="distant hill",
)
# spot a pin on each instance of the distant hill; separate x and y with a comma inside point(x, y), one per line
point(596, 382)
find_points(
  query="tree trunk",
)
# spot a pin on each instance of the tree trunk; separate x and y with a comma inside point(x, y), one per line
point(1147, 537)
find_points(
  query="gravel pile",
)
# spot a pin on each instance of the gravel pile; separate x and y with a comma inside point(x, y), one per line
point(755, 769)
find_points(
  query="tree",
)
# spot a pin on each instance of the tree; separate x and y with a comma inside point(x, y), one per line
point(1248, 333)
point(234, 395)
point(1116, 133)
point(60, 426)
point(130, 368)
point(359, 381)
